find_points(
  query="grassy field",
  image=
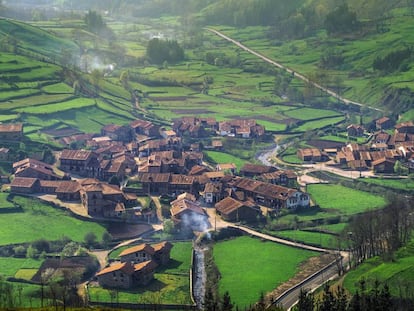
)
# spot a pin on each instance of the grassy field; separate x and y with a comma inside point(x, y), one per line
point(217, 157)
point(344, 200)
point(399, 184)
point(171, 284)
point(10, 266)
point(39, 220)
point(313, 238)
point(398, 273)
point(249, 267)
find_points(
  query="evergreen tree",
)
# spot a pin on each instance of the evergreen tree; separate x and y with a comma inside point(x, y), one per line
point(306, 301)
point(226, 304)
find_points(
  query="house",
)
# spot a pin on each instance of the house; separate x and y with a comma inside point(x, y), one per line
point(198, 170)
point(126, 275)
point(181, 183)
point(311, 155)
point(286, 178)
point(405, 127)
point(272, 196)
point(117, 132)
point(144, 127)
point(154, 183)
point(213, 192)
point(227, 167)
point(11, 131)
point(383, 123)
point(217, 144)
point(383, 166)
point(137, 254)
point(187, 214)
point(252, 170)
point(160, 253)
point(355, 130)
point(233, 210)
point(35, 169)
point(244, 128)
point(168, 134)
point(102, 199)
point(25, 185)
point(80, 162)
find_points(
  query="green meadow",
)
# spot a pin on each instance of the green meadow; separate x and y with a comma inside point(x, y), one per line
point(245, 269)
point(37, 220)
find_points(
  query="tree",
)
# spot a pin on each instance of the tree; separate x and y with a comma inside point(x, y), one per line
point(90, 239)
point(226, 304)
point(210, 303)
point(96, 78)
point(306, 301)
point(106, 239)
point(341, 20)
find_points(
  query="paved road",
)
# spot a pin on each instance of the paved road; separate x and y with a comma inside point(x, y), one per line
point(290, 299)
point(296, 74)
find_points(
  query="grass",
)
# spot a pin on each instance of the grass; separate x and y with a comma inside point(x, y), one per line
point(25, 274)
point(217, 157)
point(398, 273)
point(171, 284)
point(307, 237)
point(9, 266)
point(249, 267)
point(39, 220)
point(399, 184)
point(310, 113)
point(345, 200)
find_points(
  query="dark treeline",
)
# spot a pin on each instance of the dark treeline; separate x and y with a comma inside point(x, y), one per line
point(381, 232)
point(377, 298)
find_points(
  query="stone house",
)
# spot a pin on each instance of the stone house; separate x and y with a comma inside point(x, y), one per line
point(25, 185)
point(160, 253)
point(383, 123)
point(126, 275)
point(231, 209)
point(80, 162)
point(35, 169)
point(355, 130)
point(11, 131)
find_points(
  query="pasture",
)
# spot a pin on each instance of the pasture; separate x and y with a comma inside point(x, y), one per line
point(309, 237)
point(343, 200)
point(249, 267)
point(398, 274)
point(217, 157)
point(38, 220)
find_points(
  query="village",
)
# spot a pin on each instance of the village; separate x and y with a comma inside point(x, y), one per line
point(107, 171)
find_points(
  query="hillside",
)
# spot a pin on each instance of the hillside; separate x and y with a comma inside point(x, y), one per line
point(34, 41)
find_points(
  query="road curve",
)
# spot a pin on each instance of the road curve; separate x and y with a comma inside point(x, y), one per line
point(296, 74)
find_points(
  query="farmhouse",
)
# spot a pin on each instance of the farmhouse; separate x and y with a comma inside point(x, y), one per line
point(117, 132)
point(233, 210)
point(252, 170)
point(80, 162)
point(213, 192)
point(383, 165)
point(11, 131)
point(160, 253)
point(25, 185)
point(286, 178)
point(383, 123)
point(145, 128)
point(102, 199)
point(126, 275)
point(188, 214)
point(272, 196)
point(405, 127)
point(311, 155)
point(35, 169)
point(355, 130)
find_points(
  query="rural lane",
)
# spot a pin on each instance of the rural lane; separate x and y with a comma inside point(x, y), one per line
point(294, 73)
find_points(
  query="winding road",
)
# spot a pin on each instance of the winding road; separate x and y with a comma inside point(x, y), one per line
point(296, 74)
